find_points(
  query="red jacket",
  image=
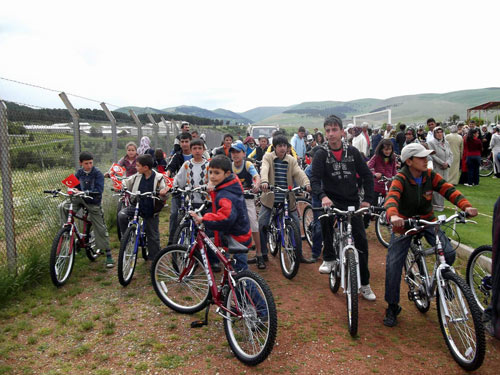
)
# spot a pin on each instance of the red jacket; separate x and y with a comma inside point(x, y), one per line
point(378, 165)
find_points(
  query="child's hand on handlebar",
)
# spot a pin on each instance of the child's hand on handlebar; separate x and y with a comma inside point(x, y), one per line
point(471, 211)
point(197, 219)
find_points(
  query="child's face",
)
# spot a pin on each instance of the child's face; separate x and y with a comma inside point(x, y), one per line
point(281, 150)
point(217, 176)
point(263, 142)
point(333, 134)
point(131, 152)
point(197, 152)
point(87, 165)
point(237, 156)
point(141, 169)
point(387, 150)
point(185, 145)
point(417, 164)
point(228, 141)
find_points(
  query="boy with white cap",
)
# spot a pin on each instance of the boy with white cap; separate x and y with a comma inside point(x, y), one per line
point(411, 195)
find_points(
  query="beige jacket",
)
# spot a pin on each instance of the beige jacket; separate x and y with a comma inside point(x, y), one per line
point(293, 173)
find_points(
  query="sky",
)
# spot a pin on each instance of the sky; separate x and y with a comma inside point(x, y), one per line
point(239, 55)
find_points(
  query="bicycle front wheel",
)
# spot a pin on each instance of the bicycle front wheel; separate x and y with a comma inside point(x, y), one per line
point(62, 256)
point(460, 321)
point(383, 230)
point(251, 333)
point(183, 234)
point(188, 295)
point(478, 275)
point(351, 292)
point(127, 258)
point(289, 254)
point(486, 167)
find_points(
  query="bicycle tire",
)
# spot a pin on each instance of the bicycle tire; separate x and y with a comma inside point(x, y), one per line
point(183, 235)
point(127, 257)
point(334, 280)
point(90, 249)
point(478, 275)
point(486, 167)
point(178, 295)
point(351, 292)
point(383, 230)
point(252, 335)
point(413, 278)
point(300, 205)
point(289, 254)
point(468, 348)
point(307, 224)
point(62, 257)
point(273, 242)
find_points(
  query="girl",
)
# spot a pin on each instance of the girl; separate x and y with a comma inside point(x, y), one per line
point(474, 148)
point(128, 161)
point(160, 162)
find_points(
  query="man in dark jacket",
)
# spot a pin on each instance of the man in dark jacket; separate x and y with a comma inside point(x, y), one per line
point(400, 137)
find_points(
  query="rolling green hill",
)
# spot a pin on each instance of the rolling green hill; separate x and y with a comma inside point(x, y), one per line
point(260, 113)
point(220, 114)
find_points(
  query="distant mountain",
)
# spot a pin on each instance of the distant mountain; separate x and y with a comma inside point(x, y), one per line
point(230, 114)
point(220, 114)
point(260, 113)
point(140, 110)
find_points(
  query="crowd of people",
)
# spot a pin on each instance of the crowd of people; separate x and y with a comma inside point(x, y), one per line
point(334, 166)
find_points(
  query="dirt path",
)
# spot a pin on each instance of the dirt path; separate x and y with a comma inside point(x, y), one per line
point(93, 325)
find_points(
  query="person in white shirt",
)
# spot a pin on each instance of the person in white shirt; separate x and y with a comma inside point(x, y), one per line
point(387, 133)
point(431, 123)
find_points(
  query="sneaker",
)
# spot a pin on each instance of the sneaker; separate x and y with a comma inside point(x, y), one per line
point(265, 257)
point(467, 185)
point(367, 292)
point(110, 263)
point(391, 315)
point(261, 265)
point(326, 266)
point(307, 260)
point(252, 260)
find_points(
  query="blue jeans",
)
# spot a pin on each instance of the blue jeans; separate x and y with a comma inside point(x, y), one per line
point(473, 163)
point(265, 218)
point(317, 238)
point(396, 256)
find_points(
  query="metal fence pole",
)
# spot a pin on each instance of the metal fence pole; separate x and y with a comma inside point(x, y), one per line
point(76, 128)
point(139, 125)
point(114, 140)
point(8, 203)
point(167, 134)
point(155, 130)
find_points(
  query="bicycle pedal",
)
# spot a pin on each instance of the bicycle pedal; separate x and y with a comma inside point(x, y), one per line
point(198, 323)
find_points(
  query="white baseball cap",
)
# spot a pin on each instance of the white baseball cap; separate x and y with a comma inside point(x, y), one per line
point(414, 149)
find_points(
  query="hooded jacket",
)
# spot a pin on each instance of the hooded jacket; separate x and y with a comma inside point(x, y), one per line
point(92, 182)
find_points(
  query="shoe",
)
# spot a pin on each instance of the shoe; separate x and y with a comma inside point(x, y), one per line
point(306, 260)
point(265, 257)
point(367, 293)
point(391, 315)
point(261, 265)
point(110, 263)
point(467, 185)
point(326, 266)
point(216, 267)
point(252, 260)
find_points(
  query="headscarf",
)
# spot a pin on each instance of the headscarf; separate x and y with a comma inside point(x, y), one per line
point(145, 145)
point(356, 130)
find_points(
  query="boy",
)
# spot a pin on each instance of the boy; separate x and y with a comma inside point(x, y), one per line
point(229, 214)
point(91, 181)
point(334, 181)
point(224, 148)
point(280, 169)
point(144, 181)
point(259, 152)
point(250, 179)
point(411, 195)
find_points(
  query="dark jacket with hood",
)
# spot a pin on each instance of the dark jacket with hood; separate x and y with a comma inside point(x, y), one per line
point(92, 182)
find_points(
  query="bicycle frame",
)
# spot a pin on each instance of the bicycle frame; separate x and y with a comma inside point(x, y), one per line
point(70, 221)
point(347, 237)
point(139, 232)
point(281, 214)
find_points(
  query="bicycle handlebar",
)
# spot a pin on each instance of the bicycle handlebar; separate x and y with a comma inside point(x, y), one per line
point(288, 190)
point(330, 211)
point(418, 224)
point(73, 193)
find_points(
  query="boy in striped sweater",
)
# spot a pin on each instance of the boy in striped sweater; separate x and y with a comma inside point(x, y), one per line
point(411, 195)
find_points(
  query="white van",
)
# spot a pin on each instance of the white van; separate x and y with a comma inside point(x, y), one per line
point(266, 130)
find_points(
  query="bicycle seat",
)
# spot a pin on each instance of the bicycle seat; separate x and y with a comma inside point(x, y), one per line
point(233, 246)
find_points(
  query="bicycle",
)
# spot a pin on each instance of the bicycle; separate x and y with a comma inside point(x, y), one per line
point(345, 271)
point(69, 239)
point(183, 279)
point(478, 275)
point(458, 313)
point(283, 235)
point(486, 166)
point(133, 237)
point(383, 229)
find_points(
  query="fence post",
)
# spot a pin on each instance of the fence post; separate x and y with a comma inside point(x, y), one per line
point(114, 140)
point(167, 134)
point(138, 123)
point(155, 130)
point(76, 129)
point(8, 203)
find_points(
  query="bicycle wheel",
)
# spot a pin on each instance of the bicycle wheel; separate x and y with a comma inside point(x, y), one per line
point(351, 291)
point(188, 295)
point(183, 234)
point(307, 224)
point(127, 257)
point(301, 204)
point(414, 277)
point(486, 167)
point(335, 278)
point(461, 325)
point(252, 333)
point(62, 256)
point(289, 254)
point(383, 230)
point(273, 241)
point(91, 250)
point(478, 275)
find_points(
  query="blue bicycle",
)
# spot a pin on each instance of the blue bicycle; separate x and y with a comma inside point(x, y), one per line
point(185, 234)
point(133, 237)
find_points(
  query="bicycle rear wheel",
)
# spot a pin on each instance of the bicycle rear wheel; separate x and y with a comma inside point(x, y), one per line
point(486, 167)
point(62, 256)
point(289, 254)
point(461, 326)
point(252, 333)
point(383, 230)
point(307, 224)
point(351, 291)
point(478, 275)
point(415, 279)
point(335, 278)
point(127, 257)
point(188, 295)
point(183, 234)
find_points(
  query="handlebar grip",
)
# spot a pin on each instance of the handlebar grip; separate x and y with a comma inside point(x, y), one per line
point(376, 209)
point(93, 194)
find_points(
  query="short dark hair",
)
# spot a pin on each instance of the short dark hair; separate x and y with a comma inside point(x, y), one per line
point(194, 131)
point(402, 127)
point(185, 136)
point(279, 140)
point(429, 120)
point(85, 155)
point(184, 125)
point(227, 135)
point(221, 162)
point(146, 160)
point(197, 142)
point(302, 129)
point(412, 131)
point(333, 120)
point(158, 153)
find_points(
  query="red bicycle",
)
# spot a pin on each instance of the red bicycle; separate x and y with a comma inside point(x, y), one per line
point(69, 240)
point(183, 279)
